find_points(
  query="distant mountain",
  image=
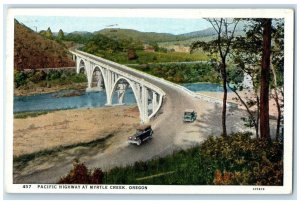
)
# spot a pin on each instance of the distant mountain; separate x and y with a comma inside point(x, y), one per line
point(80, 33)
point(200, 33)
point(211, 32)
point(146, 37)
point(32, 51)
point(150, 37)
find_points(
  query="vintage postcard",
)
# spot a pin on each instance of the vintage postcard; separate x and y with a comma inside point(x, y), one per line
point(149, 101)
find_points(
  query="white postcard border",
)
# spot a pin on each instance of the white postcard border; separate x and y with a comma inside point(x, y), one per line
point(287, 14)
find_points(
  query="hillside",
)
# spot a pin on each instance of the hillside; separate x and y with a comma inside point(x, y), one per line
point(32, 51)
point(145, 37)
point(81, 37)
point(200, 33)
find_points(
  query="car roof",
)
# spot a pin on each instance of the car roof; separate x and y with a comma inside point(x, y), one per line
point(143, 127)
point(188, 110)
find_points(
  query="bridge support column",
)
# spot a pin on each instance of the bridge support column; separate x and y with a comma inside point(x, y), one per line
point(108, 88)
point(77, 65)
point(99, 83)
point(144, 105)
point(121, 93)
point(89, 74)
point(154, 102)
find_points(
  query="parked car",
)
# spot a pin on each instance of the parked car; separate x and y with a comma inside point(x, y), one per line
point(143, 133)
point(189, 115)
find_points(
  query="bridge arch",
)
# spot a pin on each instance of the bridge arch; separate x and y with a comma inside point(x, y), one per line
point(134, 90)
point(97, 78)
point(81, 66)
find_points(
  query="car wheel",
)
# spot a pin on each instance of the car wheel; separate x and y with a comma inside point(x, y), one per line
point(139, 142)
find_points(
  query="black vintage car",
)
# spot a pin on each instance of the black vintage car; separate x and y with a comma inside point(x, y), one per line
point(189, 115)
point(143, 133)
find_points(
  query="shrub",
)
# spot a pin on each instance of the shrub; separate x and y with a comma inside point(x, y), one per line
point(78, 78)
point(81, 175)
point(37, 76)
point(131, 54)
point(242, 160)
point(20, 78)
point(53, 74)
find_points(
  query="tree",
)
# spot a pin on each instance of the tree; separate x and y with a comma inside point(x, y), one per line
point(60, 35)
point(220, 46)
point(99, 42)
point(47, 33)
point(277, 67)
point(265, 77)
point(247, 51)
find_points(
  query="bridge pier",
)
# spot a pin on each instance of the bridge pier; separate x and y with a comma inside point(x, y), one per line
point(121, 93)
point(144, 108)
point(108, 88)
point(154, 101)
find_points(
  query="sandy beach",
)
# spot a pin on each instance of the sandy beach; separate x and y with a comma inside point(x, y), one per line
point(68, 127)
point(231, 98)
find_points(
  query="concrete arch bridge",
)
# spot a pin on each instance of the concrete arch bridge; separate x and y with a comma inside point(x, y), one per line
point(115, 79)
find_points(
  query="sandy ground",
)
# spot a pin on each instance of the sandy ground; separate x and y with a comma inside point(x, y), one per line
point(231, 96)
point(61, 128)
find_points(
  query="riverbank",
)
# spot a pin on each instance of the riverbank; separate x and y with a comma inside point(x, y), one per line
point(33, 90)
point(67, 127)
point(231, 97)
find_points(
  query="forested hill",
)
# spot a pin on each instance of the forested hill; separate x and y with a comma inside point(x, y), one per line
point(32, 51)
point(145, 37)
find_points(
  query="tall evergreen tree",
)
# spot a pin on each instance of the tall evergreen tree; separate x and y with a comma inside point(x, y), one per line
point(60, 35)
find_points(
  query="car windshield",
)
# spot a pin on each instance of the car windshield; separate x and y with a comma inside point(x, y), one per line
point(188, 113)
point(139, 131)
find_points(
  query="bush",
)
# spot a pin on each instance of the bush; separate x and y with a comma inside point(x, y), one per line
point(53, 74)
point(20, 78)
point(37, 76)
point(131, 54)
point(79, 78)
point(81, 175)
point(242, 160)
point(43, 79)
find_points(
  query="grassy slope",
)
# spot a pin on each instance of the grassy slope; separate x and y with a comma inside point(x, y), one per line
point(31, 50)
point(236, 160)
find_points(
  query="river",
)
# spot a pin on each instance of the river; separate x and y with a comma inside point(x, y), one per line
point(58, 100)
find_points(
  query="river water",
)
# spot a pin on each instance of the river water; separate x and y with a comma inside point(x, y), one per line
point(55, 101)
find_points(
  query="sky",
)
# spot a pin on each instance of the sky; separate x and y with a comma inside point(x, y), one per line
point(91, 24)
